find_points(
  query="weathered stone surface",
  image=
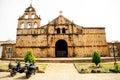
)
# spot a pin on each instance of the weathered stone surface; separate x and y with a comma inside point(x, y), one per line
point(42, 40)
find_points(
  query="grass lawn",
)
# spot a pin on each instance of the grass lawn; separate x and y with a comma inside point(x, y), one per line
point(4, 66)
point(87, 67)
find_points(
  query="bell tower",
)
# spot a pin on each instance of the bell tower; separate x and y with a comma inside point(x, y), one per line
point(28, 30)
point(29, 19)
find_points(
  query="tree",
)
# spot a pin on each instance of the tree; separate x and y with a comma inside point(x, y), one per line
point(96, 58)
point(29, 57)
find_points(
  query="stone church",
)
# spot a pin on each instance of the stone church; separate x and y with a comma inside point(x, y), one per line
point(59, 38)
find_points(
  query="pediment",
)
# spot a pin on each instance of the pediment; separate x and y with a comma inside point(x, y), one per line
point(60, 20)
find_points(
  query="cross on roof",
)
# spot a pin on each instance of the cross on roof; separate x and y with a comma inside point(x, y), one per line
point(60, 12)
point(31, 4)
point(31, 1)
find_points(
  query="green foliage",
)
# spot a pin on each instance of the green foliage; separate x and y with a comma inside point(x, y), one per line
point(29, 57)
point(117, 68)
point(96, 58)
point(88, 67)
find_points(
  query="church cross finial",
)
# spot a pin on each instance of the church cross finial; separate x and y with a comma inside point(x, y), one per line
point(60, 12)
point(31, 3)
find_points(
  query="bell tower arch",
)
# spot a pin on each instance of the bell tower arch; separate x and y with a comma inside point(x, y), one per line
point(29, 19)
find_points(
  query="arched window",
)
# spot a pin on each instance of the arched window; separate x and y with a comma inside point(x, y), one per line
point(29, 25)
point(26, 16)
point(63, 30)
point(22, 25)
point(33, 16)
point(58, 30)
point(35, 25)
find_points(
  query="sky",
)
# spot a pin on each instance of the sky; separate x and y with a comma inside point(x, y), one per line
point(86, 13)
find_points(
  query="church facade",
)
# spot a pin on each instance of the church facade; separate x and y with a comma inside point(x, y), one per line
point(59, 38)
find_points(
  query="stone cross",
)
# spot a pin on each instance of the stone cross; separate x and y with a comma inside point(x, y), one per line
point(60, 12)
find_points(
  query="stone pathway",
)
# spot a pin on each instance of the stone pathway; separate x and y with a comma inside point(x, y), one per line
point(61, 68)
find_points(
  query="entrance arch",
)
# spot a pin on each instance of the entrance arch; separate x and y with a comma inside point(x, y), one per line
point(61, 48)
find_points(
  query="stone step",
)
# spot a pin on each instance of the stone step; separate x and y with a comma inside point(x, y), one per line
point(64, 60)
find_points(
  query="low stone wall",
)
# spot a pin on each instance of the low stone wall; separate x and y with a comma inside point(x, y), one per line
point(64, 60)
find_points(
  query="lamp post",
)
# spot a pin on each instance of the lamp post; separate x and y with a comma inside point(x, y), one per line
point(10, 57)
point(114, 52)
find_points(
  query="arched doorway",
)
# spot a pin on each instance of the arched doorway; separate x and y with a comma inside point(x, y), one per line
point(61, 49)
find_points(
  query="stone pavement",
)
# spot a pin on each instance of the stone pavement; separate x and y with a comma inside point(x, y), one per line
point(61, 68)
point(60, 71)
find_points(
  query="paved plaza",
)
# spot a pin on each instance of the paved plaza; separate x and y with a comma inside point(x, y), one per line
point(61, 71)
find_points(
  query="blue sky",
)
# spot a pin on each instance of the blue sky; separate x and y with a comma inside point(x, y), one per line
point(87, 13)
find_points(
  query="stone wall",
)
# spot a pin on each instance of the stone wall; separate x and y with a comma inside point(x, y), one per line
point(81, 41)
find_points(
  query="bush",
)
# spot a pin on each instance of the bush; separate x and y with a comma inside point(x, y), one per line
point(96, 71)
point(117, 68)
point(29, 57)
point(93, 71)
point(84, 70)
point(96, 58)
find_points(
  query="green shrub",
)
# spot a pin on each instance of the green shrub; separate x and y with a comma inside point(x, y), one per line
point(117, 68)
point(29, 57)
point(96, 58)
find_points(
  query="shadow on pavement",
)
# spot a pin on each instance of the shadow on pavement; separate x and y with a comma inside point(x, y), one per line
point(21, 77)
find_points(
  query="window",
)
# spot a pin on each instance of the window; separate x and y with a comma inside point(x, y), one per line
point(35, 25)
point(29, 25)
point(9, 50)
point(33, 16)
point(58, 30)
point(63, 30)
point(22, 25)
point(26, 16)
point(30, 9)
point(113, 49)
